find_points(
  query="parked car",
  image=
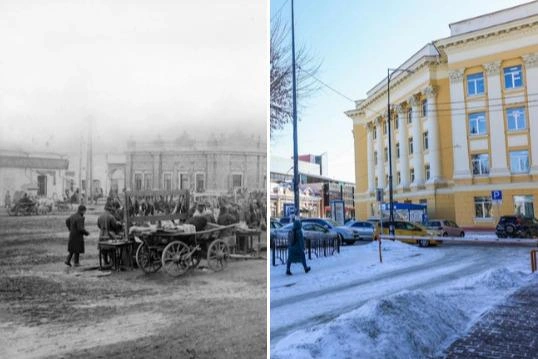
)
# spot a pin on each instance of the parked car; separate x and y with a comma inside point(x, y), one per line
point(285, 220)
point(346, 235)
point(364, 229)
point(516, 226)
point(312, 231)
point(403, 228)
point(445, 227)
point(275, 224)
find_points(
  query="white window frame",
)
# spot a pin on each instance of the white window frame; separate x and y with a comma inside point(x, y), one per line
point(480, 161)
point(514, 73)
point(519, 163)
point(485, 203)
point(510, 113)
point(196, 182)
point(475, 82)
point(477, 118)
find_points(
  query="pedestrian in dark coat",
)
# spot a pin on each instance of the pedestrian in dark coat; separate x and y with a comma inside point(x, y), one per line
point(75, 246)
point(296, 247)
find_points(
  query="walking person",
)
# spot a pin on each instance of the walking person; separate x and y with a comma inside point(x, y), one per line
point(75, 246)
point(296, 247)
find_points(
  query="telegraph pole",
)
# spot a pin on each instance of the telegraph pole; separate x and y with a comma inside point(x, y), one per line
point(89, 164)
point(294, 93)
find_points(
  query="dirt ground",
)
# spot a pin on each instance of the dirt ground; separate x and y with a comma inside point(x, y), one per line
point(50, 310)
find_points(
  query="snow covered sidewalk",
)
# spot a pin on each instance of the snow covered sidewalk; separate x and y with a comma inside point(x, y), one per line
point(413, 305)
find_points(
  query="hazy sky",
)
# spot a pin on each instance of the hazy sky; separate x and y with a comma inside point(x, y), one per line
point(139, 68)
point(357, 40)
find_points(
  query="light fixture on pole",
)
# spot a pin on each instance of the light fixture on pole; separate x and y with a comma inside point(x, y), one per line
point(391, 72)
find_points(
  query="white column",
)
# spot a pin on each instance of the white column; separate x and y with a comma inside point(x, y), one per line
point(498, 164)
point(418, 154)
point(380, 155)
point(403, 163)
point(432, 126)
point(370, 157)
point(459, 125)
point(531, 82)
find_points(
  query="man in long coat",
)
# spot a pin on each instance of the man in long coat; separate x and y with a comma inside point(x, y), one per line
point(75, 246)
point(296, 247)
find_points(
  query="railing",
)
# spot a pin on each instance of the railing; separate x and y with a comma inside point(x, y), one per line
point(466, 239)
point(316, 248)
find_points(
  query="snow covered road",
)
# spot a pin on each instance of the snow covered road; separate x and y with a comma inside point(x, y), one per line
point(308, 309)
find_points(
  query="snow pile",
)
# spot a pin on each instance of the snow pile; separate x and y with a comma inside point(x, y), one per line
point(409, 324)
point(501, 279)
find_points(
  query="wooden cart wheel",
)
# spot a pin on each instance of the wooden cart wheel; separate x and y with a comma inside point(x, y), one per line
point(217, 255)
point(147, 259)
point(176, 258)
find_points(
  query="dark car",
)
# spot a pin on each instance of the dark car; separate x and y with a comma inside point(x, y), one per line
point(285, 220)
point(516, 226)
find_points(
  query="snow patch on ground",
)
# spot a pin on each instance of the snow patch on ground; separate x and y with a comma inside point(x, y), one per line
point(413, 305)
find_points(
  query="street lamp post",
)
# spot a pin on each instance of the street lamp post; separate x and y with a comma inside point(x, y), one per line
point(390, 72)
point(294, 92)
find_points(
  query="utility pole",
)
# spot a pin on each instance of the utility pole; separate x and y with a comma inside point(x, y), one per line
point(295, 148)
point(80, 164)
point(89, 164)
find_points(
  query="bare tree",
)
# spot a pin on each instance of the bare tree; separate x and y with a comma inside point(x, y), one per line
point(281, 75)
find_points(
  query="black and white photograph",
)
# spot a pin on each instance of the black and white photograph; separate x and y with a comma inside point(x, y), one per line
point(133, 179)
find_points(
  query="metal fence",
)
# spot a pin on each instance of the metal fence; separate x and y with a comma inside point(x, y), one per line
point(313, 249)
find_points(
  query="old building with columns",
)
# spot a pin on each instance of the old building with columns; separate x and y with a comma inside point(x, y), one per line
point(217, 164)
point(464, 123)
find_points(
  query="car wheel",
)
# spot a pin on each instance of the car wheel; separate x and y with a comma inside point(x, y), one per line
point(423, 243)
point(510, 230)
point(462, 234)
point(501, 234)
point(526, 234)
point(445, 234)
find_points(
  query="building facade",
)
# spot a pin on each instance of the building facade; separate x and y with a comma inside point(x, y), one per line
point(217, 165)
point(464, 123)
point(40, 174)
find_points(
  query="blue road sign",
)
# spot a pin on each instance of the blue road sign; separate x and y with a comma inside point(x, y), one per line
point(496, 195)
point(289, 209)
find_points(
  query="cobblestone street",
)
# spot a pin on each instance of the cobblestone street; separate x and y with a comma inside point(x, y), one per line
point(507, 331)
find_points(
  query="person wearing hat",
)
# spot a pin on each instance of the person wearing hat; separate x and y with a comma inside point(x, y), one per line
point(75, 245)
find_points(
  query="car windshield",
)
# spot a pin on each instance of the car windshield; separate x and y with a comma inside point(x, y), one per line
point(331, 222)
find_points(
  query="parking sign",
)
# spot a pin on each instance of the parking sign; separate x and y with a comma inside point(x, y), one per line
point(497, 196)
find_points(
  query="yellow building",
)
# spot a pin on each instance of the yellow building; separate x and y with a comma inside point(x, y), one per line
point(464, 123)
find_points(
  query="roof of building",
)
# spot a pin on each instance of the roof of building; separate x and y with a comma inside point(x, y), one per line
point(494, 18)
point(19, 159)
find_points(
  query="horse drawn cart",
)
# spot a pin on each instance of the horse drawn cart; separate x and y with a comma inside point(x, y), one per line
point(177, 251)
point(155, 220)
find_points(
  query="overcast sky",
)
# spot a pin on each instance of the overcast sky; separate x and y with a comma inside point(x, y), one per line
point(139, 68)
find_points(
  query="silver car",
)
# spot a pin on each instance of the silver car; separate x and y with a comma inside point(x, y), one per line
point(445, 228)
point(364, 229)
